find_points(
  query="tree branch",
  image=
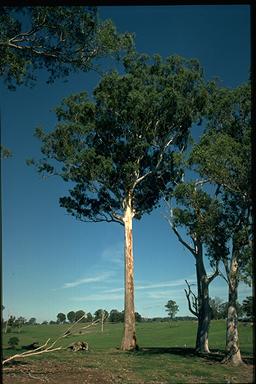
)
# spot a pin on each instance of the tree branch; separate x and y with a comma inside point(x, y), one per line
point(43, 348)
point(194, 298)
point(183, 242)
point(215, 274)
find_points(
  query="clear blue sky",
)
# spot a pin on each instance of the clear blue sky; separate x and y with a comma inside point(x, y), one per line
point(53, 263)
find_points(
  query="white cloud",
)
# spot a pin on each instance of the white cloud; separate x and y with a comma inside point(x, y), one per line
point(113, 254)
point(166, 294)
point(166, 284)
point(87, 280)
point(99, 297)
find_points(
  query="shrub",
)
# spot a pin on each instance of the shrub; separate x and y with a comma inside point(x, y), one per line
point(13, 341)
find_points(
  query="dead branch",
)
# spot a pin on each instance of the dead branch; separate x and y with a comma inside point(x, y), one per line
point(193, 307)
point(45, 348)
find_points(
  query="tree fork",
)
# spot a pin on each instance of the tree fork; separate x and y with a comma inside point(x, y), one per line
point(129, 337)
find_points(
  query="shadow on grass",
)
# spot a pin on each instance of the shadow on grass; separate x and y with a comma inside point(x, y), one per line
point(215, 355)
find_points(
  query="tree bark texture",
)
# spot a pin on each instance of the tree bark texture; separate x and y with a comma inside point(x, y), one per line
point(204, 310)
point(129, 337)
point(232, 337)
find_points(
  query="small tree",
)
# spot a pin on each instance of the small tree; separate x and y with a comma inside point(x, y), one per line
point(138, 317)
point(89, 317)
point(115, 316)
point(79, 314)
point(216, 308)
point(172, 308)
point(71, 316)
point(13, 342)
point(61, 317)
point(32, 321)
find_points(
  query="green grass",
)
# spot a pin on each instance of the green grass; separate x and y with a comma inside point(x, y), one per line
point(156, 362)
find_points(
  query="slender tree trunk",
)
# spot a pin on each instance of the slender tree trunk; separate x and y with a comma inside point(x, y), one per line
point(204, 310)
point(232, 337)
point(204, 319)
point(129, 336)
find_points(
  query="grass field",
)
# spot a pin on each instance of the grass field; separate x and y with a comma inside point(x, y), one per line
point(166, 356)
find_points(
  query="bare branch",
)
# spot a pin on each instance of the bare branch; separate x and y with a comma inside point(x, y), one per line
point(140, 179)
point(215, 274)
point(201, 182)
point(194, 300)
point(183, 242)
point(43, 348)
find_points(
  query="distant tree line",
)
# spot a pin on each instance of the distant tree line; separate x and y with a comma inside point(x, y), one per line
point(218, 311)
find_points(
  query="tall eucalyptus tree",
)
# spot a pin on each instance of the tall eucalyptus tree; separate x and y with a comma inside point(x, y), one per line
point(118, 151)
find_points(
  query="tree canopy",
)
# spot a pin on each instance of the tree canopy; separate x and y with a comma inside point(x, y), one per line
point(59, 39)
point(172, 308)
point(123, 142)
point(223, 156)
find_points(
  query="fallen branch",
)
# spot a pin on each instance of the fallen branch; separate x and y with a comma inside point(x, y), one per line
point(43, 348)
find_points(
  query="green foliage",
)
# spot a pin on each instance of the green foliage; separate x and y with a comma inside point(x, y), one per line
point(247, 307)
point(58, 39)
point(4, 152)
point(89, 317)
point(32, 321)
point(172, 308)
point(13, 342)
point(79, 314)
point(100, 313)
point(115, 316)
point(71, 316)
point(219, 309)
point(61, 317)
point(196, 210)
point(223, 156)
point(122, 144)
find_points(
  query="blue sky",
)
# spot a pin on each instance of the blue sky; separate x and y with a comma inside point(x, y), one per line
point(53, 263)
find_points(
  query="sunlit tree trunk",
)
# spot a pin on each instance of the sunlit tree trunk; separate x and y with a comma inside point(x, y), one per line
point(129, 336)
point(232, 337)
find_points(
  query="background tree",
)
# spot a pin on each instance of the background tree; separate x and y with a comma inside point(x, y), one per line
point(13, 342)
point(247, 307)
point(32, 321)
point(224, 157)
point(61, 317)
point(217, 307)
point(60, 39)
point(138, 317)
point(119, 149)
point(172, 308)
point(198, 213)
point(71, 316)
point(115, 316)
point(89, 317)
point(99, 313)
point(79, 314)
point(19, 322)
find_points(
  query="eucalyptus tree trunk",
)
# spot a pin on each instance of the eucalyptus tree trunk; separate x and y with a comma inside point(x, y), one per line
point(232, 337)
point(204, 310)
point(129, 336)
